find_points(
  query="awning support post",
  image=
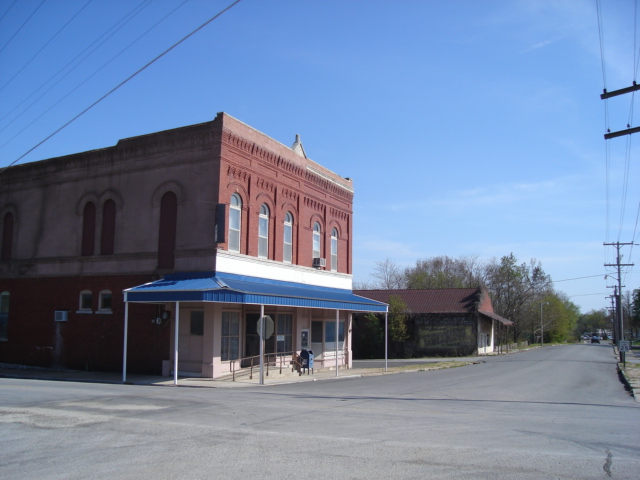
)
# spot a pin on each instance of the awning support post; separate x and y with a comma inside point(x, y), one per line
point(337, 337)
point(386, 341)
point(262, 330)
point(175, 346)
point(124, 346)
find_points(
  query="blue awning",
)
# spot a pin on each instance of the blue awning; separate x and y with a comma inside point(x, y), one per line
point(231, 288)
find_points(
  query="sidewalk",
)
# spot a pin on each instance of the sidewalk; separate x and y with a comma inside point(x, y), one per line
point(631, 371)
point(18, 371)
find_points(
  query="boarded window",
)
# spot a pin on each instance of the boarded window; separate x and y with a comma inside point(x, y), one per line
point(167, 233)
point(88, 229)
point(7, 237)
point(108, 228)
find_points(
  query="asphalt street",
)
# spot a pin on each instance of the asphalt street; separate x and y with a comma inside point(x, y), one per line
point(554, 412)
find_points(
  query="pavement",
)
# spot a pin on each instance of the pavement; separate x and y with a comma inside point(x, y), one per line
point(361, 368)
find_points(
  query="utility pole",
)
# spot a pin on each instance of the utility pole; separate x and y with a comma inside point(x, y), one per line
point(612, 310)
point(618, 291)
point(629, 130)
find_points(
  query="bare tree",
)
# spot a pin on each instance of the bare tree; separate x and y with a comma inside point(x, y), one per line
point(388, 275)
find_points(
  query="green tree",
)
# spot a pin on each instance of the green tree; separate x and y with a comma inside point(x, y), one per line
point(592, 321)
point(561, 318)
point(516, 289)
point(634, 321)
point(397, 319)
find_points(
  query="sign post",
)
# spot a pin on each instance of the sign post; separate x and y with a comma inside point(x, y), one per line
point(265, 330)
point(624, 347)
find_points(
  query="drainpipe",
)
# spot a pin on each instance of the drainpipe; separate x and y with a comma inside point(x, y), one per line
point(124, 347)
point(175, 346)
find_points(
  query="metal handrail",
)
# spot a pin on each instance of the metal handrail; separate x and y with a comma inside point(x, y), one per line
point(272, 357)
point(269, 358)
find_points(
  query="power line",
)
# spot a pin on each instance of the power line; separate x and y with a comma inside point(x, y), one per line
point(108, 33)
point(122, 83)
point(21, 26)
point(578, 278)
point(45, 45)
point(8, 9)
point(94, 73)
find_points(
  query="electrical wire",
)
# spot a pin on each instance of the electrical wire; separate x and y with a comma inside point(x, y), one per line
point(22, 26)
point(123, 82)
point(95, 73)
point(108, 34)
point(45, 45)
point(8, 9)
point(606, 123)
point(578, 278)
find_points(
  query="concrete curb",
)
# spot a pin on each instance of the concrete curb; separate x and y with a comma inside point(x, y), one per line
point(626, 381)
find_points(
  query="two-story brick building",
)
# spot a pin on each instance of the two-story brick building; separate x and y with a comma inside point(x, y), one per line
point(175, 244)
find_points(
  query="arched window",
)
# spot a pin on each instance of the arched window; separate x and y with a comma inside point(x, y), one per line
point(167, 231)
point(288, 238)
point(316, 240)
point(334, 250)
point(235, 222)
point(7, 237)
point(88, 229)
point(263, 232)
point(108, 228)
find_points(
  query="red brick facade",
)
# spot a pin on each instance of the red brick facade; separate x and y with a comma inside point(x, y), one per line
point(114, 218)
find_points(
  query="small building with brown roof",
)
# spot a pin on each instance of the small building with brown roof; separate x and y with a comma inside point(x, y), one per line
point(442, 322)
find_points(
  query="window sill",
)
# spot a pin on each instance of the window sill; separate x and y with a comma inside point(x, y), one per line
point(104, 312)
point(84, 311)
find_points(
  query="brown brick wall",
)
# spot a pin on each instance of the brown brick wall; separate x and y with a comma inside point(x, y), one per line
point(90, 341)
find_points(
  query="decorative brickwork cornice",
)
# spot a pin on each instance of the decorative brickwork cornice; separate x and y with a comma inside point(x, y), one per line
point(314, 205)
point(238, 174)
point(265, 185)
point(289, 194)
point(325, 184)
point(338, 214)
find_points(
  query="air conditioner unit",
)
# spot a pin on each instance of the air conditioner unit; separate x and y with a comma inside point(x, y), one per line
point(319, 262)
point(61, 316)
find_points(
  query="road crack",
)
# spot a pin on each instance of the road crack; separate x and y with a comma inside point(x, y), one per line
point(607, 463)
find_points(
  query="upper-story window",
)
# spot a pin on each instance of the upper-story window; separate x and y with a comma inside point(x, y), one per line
point(334, 250)
point(88, 229)
point(167, 230)
point(288, 238)
point(316, 240)
point(263, 232)
point(107, 238)
point(7, 237)
point(235, 215)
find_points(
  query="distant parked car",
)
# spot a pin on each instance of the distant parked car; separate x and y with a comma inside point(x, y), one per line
point(595, 339)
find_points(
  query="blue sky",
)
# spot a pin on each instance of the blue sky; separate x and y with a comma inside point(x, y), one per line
point(469, 127)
